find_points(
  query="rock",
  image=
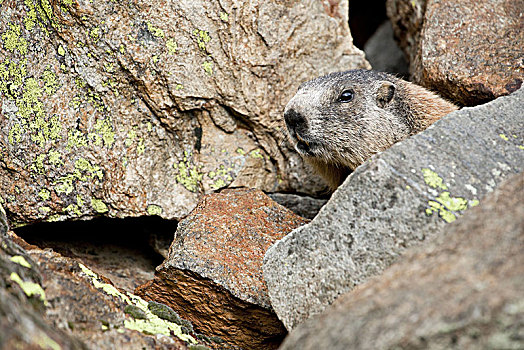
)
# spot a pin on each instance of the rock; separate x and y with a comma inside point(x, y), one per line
point(383, 53)
point(469, 51)
point(304, 206)
point(23, 300)
point(463, 290)
point(213, 274)
point(103, 316)
point(137, 108)
point(51, 301)
point(395, 200)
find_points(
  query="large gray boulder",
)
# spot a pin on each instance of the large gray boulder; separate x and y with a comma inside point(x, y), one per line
point(463, 290)
point(139, 107)
point(395, 200)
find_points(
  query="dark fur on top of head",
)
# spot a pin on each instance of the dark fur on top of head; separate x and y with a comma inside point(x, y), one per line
point(339, 120)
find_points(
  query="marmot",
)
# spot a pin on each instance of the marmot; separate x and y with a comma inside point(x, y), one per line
point(339, 120)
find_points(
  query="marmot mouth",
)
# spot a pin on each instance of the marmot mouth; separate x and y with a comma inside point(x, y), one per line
point(303, 146)
point(307, 148)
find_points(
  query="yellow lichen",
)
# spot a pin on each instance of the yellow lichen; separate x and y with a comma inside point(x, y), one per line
point(29, 288)
point(432, 179)
point(153, 209)
point(99, 206)
point(20, 260)
point(171, 46)
point(152, 324)
point(188, 175)
point(159, 33)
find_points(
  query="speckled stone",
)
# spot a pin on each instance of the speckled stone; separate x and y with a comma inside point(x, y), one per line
point(219, 247)
point(462, 291)
point(469, 51)
point(395, 200)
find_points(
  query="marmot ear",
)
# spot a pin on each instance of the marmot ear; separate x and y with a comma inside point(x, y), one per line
point(385, 93)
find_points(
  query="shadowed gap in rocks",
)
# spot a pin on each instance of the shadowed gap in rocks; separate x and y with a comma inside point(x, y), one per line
point(364, 19)
point(126, 251)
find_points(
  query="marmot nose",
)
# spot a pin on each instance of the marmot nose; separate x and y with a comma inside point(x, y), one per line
point(295, 121)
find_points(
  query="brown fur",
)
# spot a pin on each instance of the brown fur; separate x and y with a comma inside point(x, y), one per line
point(335, 137)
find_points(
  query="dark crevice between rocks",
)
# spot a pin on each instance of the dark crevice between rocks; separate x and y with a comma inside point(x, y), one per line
point(126, 251)
point(303, 205)
point(364, 19)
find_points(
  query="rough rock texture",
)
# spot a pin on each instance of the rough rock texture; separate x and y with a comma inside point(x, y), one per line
point(383, 53)
point(22, 302)
point(49, 301)
point(469, 51)
point(213, 274)
point(393, 201)
point(463, 290)
point(304, 206)
point(138, 107)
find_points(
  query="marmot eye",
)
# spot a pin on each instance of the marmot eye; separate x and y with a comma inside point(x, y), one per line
point(345, 96)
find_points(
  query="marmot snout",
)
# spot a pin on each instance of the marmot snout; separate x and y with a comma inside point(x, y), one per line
point(338, 121)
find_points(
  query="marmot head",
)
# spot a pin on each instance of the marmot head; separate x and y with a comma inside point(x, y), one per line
point(343, 118)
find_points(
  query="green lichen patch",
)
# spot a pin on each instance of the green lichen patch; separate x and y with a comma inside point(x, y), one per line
point(151, 324)
point(171, 46)
point(140, 148)
point(221, 177)
point(20, 260)
point(208, 67)
point(50, 81)
point(85, 170)
point(105, 132)
point(447, 206)
point(202, 37)
point(131, 135)
point(30, 17)
point(474, 203)
point(29, 288)
point(73, 209)
point(64, 184)
point(135, 312)
point(13, 41)
point(452, 203)
point(55, 158)
point(37, 165)
point(432, 179)
point(256, 154)
point(224, 17)
point(99, 206)
point(198, 347)
point(94, 34)
point(61, 50)
point(164, 312)
point(159, 33)
point(153, 209)
point(44, 194)
point(504, 137)
point(76, 139)
point(188, 175)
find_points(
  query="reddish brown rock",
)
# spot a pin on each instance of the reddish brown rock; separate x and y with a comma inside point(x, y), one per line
point(213, 274)
point(469, 51)
point(463, 290)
